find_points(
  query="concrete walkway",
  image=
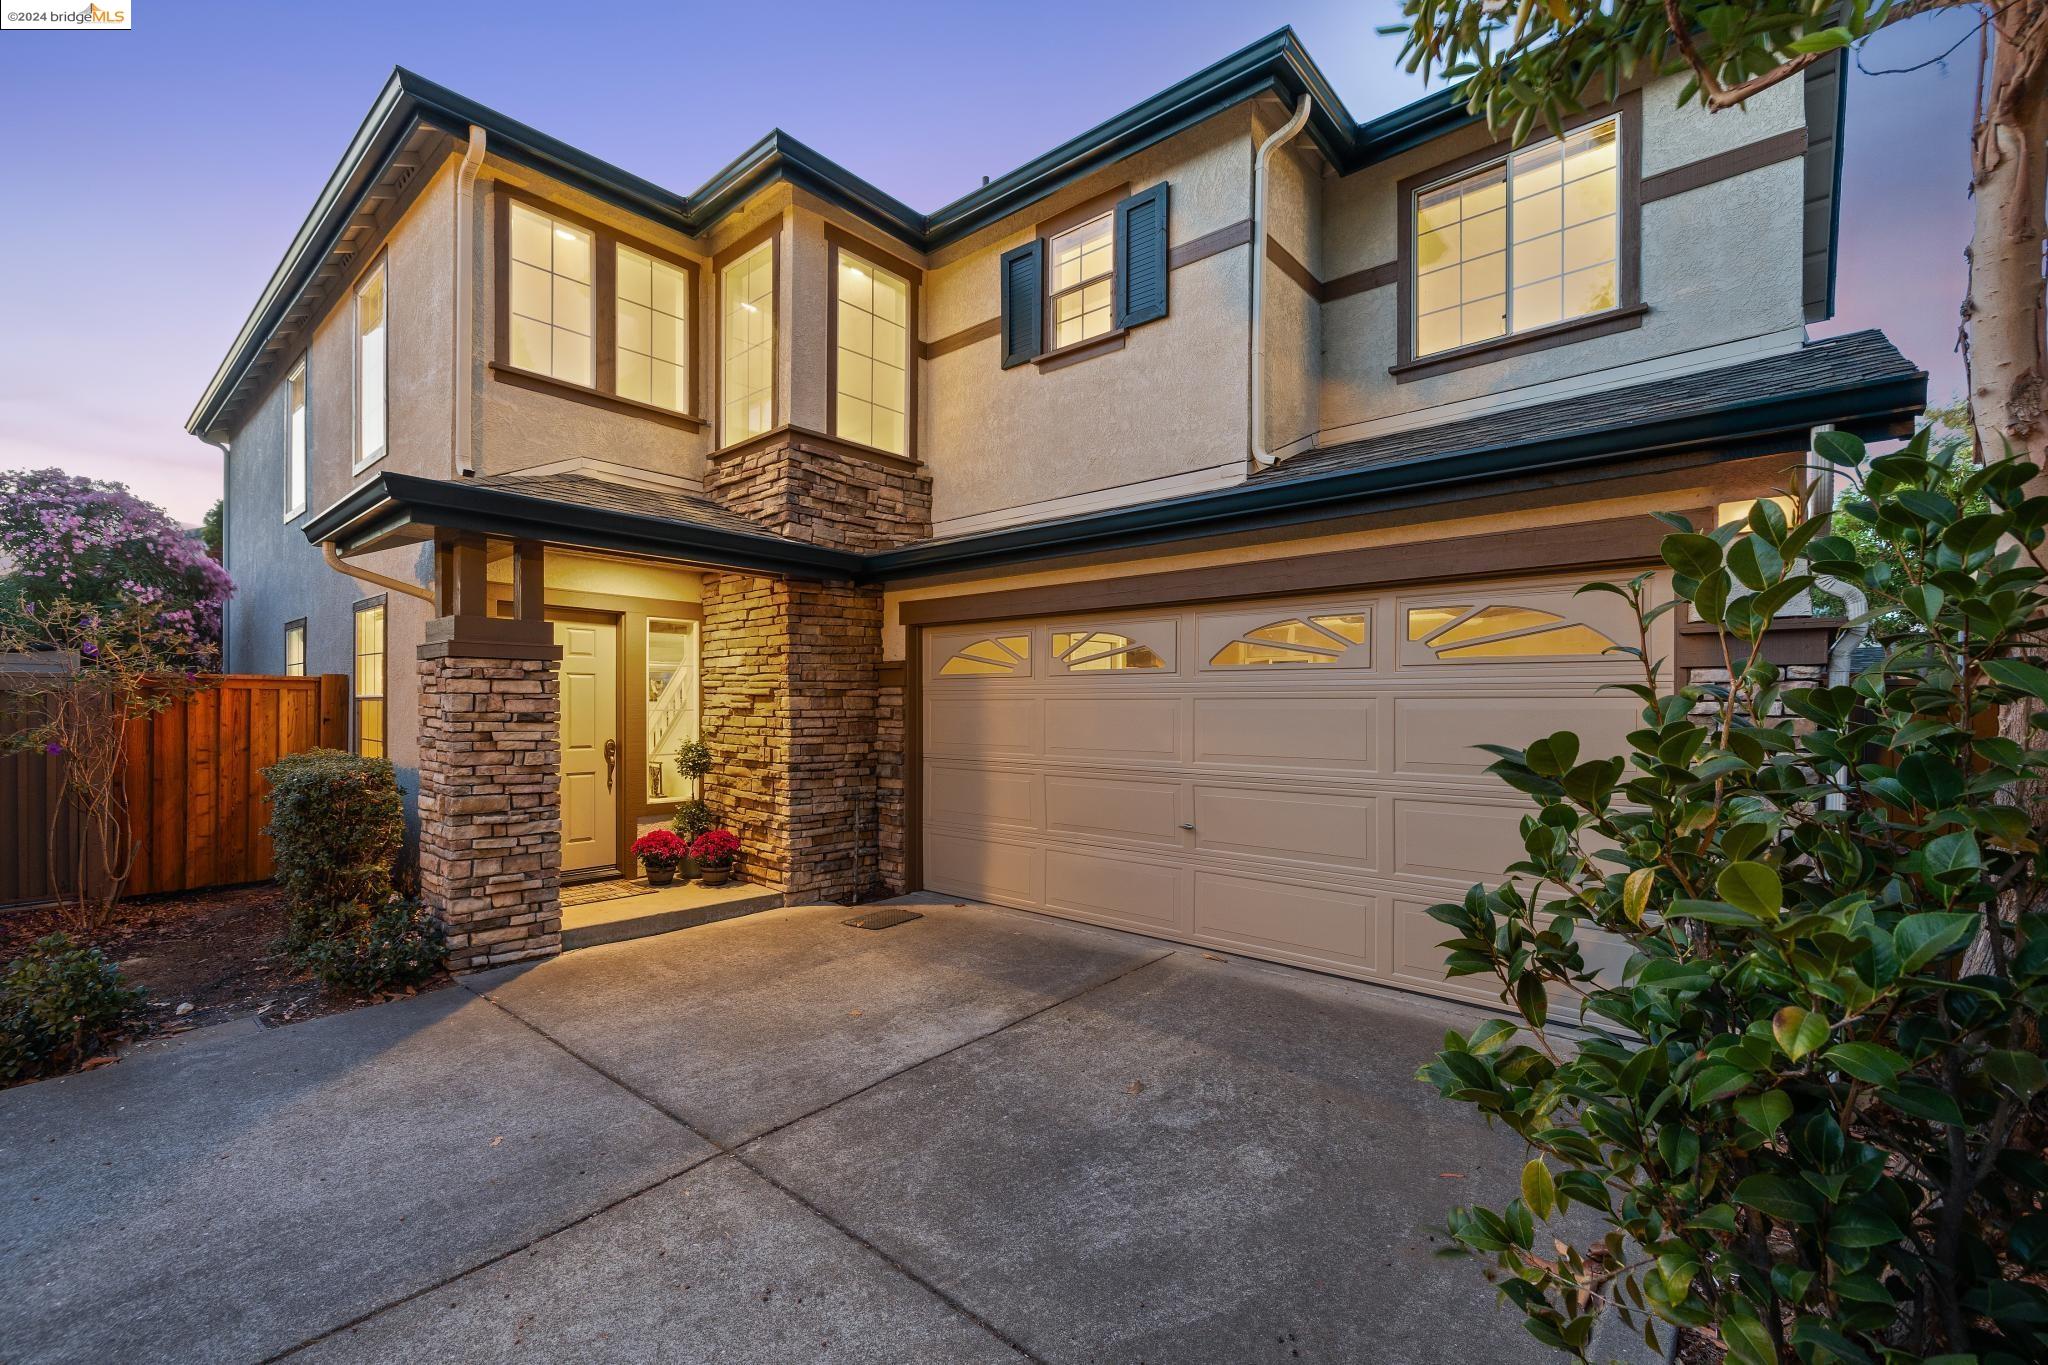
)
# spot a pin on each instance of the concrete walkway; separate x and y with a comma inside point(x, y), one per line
point(981, 1136)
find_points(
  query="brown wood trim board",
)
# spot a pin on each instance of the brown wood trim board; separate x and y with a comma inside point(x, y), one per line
point(1621, 540)
point(1709, 170)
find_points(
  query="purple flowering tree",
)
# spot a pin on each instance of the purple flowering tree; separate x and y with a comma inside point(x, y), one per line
point(96, 543)
point(108, 611)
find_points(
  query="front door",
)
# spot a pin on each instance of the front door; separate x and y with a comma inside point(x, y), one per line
point(590, 742)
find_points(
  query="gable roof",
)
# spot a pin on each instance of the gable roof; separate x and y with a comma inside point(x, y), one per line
point(410, 104)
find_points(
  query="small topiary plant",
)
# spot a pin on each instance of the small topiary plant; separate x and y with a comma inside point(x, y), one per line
point(61, 1004)
point(693, 818)
point(1810, 1110)
point(395, 946)
point(337, 826)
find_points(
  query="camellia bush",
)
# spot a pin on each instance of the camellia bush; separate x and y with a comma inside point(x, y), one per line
point(1807, 1116)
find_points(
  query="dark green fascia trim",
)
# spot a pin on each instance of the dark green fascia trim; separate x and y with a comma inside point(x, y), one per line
point(1867, 409)
point(393, 504)
point(1276, 62)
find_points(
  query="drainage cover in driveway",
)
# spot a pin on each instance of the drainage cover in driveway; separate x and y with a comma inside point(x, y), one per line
point(885, 918)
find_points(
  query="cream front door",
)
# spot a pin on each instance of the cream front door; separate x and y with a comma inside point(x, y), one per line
point(590, 743)
point(1289, 779)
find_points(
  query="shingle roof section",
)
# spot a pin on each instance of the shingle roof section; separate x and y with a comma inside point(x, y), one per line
point(644, 500)
point(1860, 357)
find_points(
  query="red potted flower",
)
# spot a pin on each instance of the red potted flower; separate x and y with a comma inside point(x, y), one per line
point(659, 851)
point(715, 851)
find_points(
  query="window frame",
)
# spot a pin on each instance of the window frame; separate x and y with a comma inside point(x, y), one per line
point(838, 244)
point(771, 233)
point(291, 628)
point(379, 603)
point(1629, 309)
point(604, 303)
point(360, 459)
point(1053, 357)
point(295, 378)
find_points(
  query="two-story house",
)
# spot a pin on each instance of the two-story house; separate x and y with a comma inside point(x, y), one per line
point(1146, 537)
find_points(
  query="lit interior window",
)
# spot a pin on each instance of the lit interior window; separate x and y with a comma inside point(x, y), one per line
point(873, 361)
point(747, 346)
point(1083, 264)
point(653, 326)
point(550, 301)
point(1522, 244)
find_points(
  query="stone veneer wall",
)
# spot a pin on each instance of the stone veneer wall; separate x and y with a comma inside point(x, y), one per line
point(810, 488)
point(789, 684)
point(892, 832)
point(490, 807)
point(807, 742)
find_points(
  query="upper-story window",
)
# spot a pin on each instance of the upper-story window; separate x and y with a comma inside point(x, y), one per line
point(746, 328)
point(1525, 243)
point(1088, 277)
point(372, 362)
point(1083, 264)
point(1513, 251)
point(587, 314)
point(873, 320)
point(653, 331)
point(553, 324)
point(295, 441)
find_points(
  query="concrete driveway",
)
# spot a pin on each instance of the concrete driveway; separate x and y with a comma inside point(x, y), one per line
point(981, 1136)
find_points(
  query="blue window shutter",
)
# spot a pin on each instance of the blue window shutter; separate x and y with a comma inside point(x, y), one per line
point(1023, 303)
point(1141, 257)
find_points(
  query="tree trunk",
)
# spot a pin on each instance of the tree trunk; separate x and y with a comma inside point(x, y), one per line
point(2003, 313)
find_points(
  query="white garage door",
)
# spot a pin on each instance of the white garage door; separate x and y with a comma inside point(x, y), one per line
point(1291, 779)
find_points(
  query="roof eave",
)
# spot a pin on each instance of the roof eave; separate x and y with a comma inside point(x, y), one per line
point(1869, 408)
point(391, 508)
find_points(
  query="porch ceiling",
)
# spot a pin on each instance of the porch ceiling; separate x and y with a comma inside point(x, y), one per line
point(396, 509)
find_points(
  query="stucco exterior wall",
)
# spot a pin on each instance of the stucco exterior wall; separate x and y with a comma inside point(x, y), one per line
point(1720, 265)
point(280, 576)
point(1000, 443)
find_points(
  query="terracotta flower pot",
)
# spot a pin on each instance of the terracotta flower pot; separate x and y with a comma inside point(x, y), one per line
point(662, 874)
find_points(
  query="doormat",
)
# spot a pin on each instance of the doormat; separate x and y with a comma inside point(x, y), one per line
point(886, 917)
point(590, 893)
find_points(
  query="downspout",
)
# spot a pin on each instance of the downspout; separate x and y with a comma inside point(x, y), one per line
point(371, 576)
point(1261, 457)
point(465, 308)
point(223, 445)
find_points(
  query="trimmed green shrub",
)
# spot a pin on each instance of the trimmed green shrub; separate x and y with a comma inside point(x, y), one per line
point(388, 949)
point(1809, 1112)
point(337, 826)
point(61, 1004)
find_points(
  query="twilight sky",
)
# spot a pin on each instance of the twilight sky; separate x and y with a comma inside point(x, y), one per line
point(156, 176)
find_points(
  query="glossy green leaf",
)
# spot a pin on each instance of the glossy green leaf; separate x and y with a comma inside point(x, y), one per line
point(1798, 1031)
point(1753, 888)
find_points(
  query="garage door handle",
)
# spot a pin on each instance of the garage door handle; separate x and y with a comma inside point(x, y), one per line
point(1187, 826)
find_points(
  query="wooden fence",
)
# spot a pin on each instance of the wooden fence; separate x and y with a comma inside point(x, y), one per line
point(195, 788)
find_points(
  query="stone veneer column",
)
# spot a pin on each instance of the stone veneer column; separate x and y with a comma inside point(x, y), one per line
point(490, 796)
point(806, 738)
point(789, 715)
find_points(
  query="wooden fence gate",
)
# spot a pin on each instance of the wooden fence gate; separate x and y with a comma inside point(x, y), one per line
point(195, 788)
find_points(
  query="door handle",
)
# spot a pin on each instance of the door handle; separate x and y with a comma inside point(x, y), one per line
point(611, 761)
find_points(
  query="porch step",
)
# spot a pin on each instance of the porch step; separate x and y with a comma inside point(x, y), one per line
point(660, 911)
